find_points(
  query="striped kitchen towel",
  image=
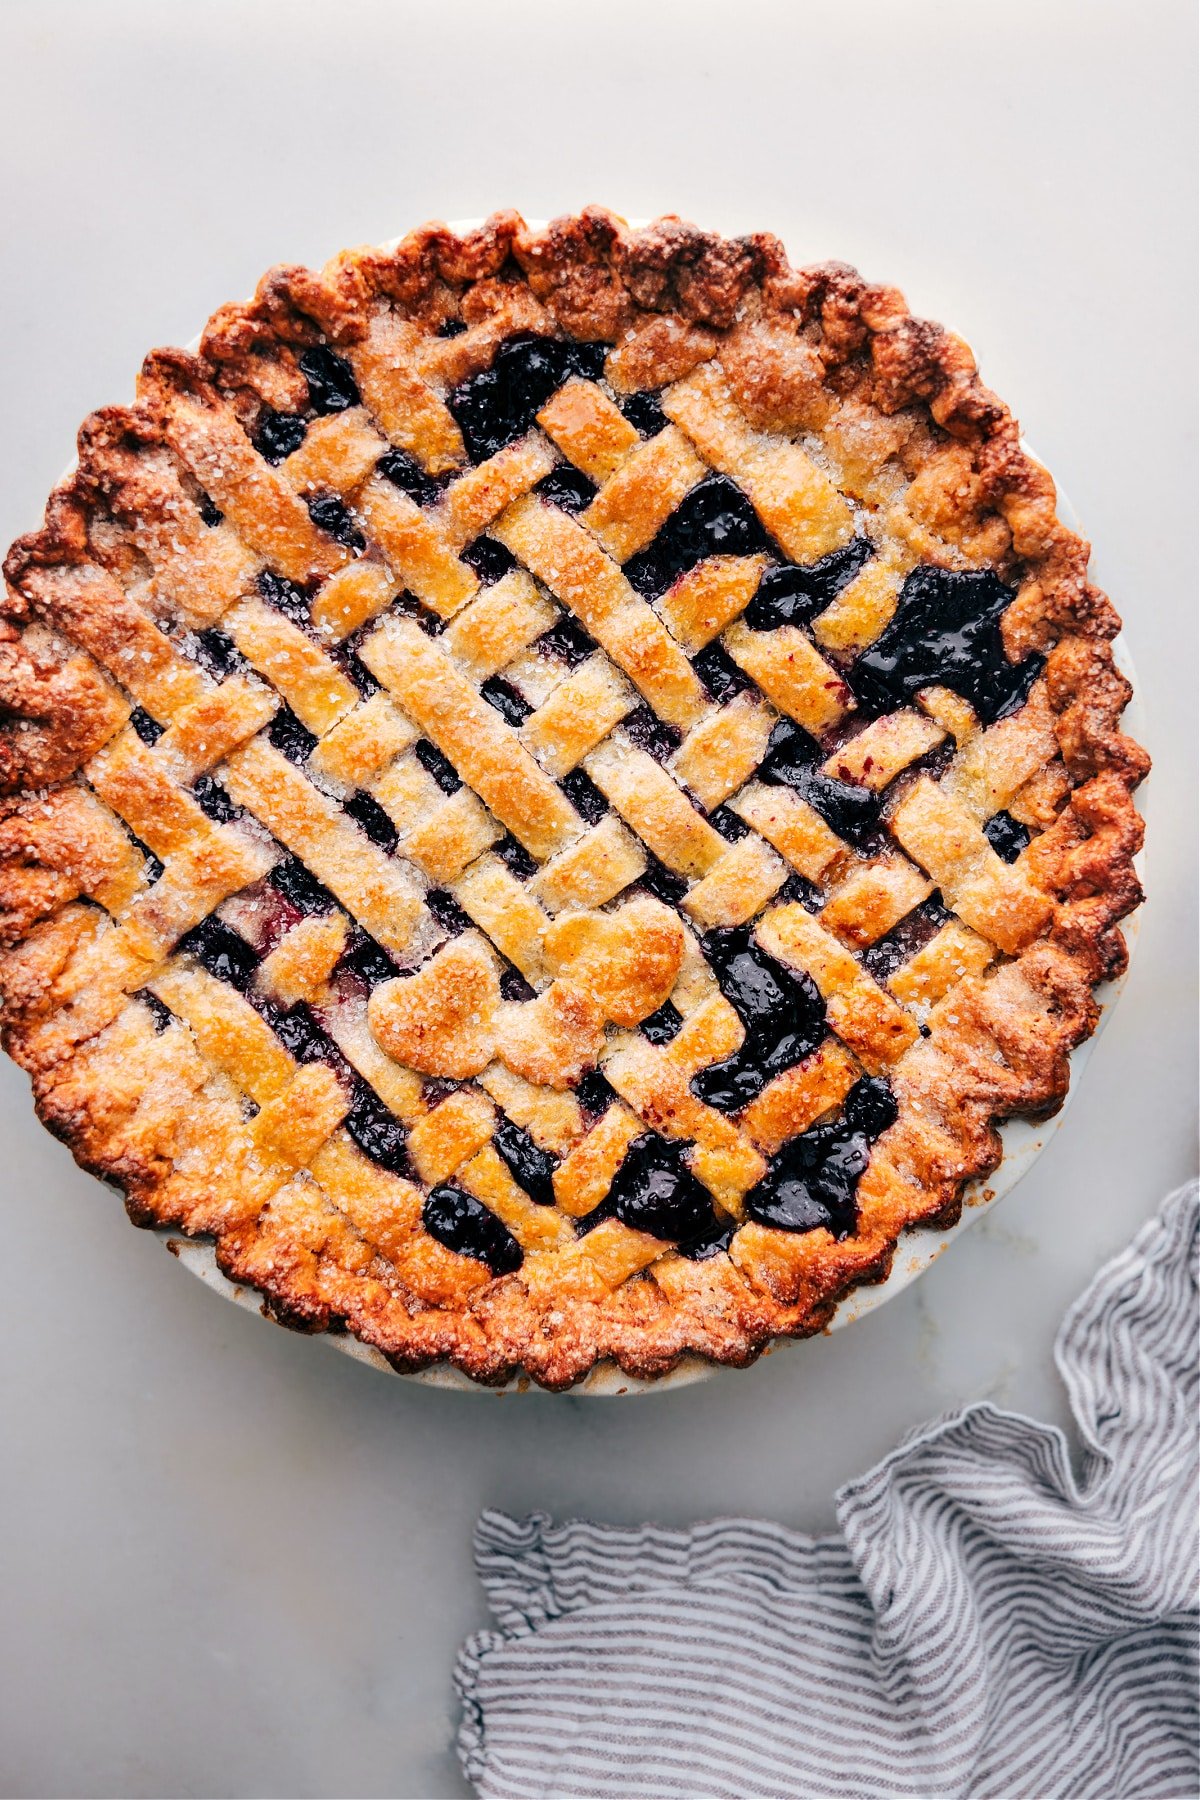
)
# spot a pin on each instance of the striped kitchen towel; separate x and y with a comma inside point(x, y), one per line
point(988, 1623)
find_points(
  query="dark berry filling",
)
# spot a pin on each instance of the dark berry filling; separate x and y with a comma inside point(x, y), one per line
point(331, 385)
point(790, 761)
point(594, 1094)
point(213, 800)
point(299, 885)
point(285, 597)
point(655, 1191)
point(506, 700)
point(446, 910)
point(408, 475)
point(567, 641)
point(489, 558)
point(367, 813)
point(410, 607)
point(221, 951)
point(664, 1024)
point(814, 1180)
point(645, 414)
point(160, 1013)
point(792, 596)
point(710, 1243)
point(439, 766)
point(528, 1165)
point(730, 826)
point(644, 728)
point(462, 1223)
point(210, 512)
point(799, 890)
point(278, 435)
point(946, 633)
point(662, 882)
point(290, 737)
point(719, 673)
point(1007, 836)
point(217, 653)
point(584, 796)
point(783, 1013)
point(367, 959)
point(513, 985)
point(152, 868)
point(567, 487)
point(501, 403)
point(376, 1130)
point(352, 665)
point(452, 328)
point(148, 729)
point(715, 519)
point(914, 931)
point(329, 513)
point(516, 859)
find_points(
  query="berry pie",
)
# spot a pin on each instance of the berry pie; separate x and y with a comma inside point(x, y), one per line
point(558, 783)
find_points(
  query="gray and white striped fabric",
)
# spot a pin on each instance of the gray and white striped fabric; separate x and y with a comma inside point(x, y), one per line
point(989, 1624)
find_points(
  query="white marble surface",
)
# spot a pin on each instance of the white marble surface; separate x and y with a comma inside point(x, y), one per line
point(233, 1562)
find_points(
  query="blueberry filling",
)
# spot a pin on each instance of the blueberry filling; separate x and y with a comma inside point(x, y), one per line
point(730, 826)
point(594, 1094)
point(516, 858)
point(814, 1180)
point(329, 513)
point(210, 512)
point(451, 328)
point(161, 1014)
point(352, 665)
point(410, 607)
point(791, 596)
point(278, 435)
point(501, 403)
point(152, 868)
point(376, 1130)
point(946, 633)
point(566, 487)
point(710, 1243)
point(644, 728)
point(367, 813)
point(290, 737)
point(655, 1191)
point(221, 951)
point(462, 1223)
point(331, 385)
point(799, 890)
point(148, 729)
point(645, 414)
point(783, 1014)
point(662, 882)
point(528, 1165)
point(1007, 836)
point(285, 597)
point(439, 766)
point(719, 673)
point(217, 653)
point(851, 811)
point(489, 558)
point(506, 700)
point(446, 910)
point(664, 1024)
point(567, 641)
point(213, 800)
point(584, 796)
point(886, 954)
point(367, 959)
point(715, 519)
point(406, 474)
point(513, 985)
point(299, 885)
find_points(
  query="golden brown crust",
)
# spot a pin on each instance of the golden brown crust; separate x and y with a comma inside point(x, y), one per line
point(91, 625)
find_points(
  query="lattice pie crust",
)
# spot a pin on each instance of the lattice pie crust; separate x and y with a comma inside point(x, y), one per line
point(558, 784)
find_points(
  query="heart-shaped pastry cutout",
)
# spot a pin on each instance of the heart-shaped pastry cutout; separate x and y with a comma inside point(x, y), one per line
point(627, 960)
point(553, 1039)
point(440, 1019)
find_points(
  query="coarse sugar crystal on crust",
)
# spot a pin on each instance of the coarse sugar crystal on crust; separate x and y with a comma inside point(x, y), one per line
point(556, 786)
